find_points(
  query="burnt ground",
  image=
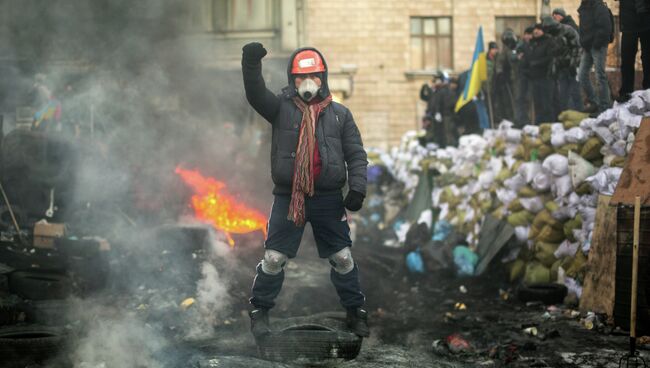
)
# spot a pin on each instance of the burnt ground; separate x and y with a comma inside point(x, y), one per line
point(410, 317)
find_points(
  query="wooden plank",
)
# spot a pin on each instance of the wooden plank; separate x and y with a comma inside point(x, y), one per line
point(600, 276)
point(635, 178)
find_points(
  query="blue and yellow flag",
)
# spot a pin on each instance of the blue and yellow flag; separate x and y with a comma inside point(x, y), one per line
point(477, 73)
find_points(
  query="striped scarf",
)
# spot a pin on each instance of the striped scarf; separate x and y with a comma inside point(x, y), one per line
point(303, 173)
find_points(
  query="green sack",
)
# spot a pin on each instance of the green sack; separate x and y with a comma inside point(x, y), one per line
point(544, 253)
point(517, 269)
point(591, 149)
point(536, 273)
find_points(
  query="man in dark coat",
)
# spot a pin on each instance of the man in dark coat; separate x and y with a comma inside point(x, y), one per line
point(559, 14)
point(538, 62)
point(634, 16)
point(316, 148)
point(522, 107)
point(566, 59)
point(596, 29)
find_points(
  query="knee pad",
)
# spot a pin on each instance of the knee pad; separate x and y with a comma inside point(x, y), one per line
point(273, 262)
point(342, 261)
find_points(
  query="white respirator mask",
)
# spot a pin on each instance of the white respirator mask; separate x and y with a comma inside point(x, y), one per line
point(308, 89)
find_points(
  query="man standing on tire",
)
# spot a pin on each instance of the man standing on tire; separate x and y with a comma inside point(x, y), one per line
point(316, 146)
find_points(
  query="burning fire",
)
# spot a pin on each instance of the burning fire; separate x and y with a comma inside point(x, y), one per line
point(212, 204)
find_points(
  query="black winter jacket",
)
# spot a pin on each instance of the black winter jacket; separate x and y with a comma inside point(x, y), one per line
point(568, 20)
point(339, 141)
point(634, 15)
point(595, 24)
point(539, 58)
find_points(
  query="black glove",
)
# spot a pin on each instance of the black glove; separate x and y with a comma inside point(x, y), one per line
point(253, 52)
point(353, 201)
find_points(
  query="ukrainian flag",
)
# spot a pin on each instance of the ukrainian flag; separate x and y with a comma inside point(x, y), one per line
point(477, 73)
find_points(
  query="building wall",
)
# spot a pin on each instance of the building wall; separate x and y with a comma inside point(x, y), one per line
point(374, 35)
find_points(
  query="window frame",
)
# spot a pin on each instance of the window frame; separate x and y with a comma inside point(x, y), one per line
point(436, 36)
point(230, 31)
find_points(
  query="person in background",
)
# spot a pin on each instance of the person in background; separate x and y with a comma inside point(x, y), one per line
point(566, 59)
point(559, 14)
point(596, 32)
point(496, 89)
point(507, 79)
point(522, 107)
point(538, 62)
point(444, 103)
point(635, 28)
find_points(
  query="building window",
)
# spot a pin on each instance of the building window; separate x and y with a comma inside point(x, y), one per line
point(245, 15)
point(431, 43)
point(517, 24)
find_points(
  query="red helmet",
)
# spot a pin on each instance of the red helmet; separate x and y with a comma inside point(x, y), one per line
point(306, 62)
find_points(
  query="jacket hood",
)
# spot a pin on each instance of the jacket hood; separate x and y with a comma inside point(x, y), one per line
point(324, 90)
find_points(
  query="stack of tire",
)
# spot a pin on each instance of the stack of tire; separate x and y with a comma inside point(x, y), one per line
point(33, 164)
point(32, 316)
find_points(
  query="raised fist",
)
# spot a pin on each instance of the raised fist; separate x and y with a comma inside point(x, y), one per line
point(253, 52)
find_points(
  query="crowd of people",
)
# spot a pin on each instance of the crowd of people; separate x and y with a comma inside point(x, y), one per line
point(534, 76)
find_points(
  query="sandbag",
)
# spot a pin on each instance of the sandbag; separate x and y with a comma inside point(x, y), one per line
point(544, 151)
point(572, 118)
point(517, 269)
point(528, 170)
point(545, 132)
point(549, 234)
point(527, 191)
point(561, 186)
point(556, 164)
point(536, 273)
point(533, 204)
point(579, 169)
point(591, 149)
point(564, 150)
point(542, 182)
point(545, 253)
point(515, 206)
point(521, 218)
point(551, 206)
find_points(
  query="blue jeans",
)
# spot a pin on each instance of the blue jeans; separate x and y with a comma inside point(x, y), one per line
point(597, 59)
point(568, 96)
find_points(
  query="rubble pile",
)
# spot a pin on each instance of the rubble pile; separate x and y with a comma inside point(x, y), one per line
point(542, 180)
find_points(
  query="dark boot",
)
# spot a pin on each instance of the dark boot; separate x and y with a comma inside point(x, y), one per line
point(260, 322)
point(357, 319)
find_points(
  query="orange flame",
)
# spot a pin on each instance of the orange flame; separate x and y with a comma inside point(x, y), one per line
point(212, 204)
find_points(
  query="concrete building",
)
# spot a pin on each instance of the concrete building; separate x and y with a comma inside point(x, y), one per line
point(379, 52)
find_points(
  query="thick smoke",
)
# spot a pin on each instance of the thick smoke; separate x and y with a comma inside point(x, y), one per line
point(148, 98)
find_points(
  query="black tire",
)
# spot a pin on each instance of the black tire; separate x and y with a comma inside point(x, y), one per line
point(317, 339)
point(23, 344)
point(48, 312)
point(12, 311)
point(34, 285)
point(547, 293)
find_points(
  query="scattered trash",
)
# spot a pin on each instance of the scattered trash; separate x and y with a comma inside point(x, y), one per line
point(531, 331)
point(460, 306)
point(414, 261)
point(187, 303)
point(457, 344)
point(465, 260)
